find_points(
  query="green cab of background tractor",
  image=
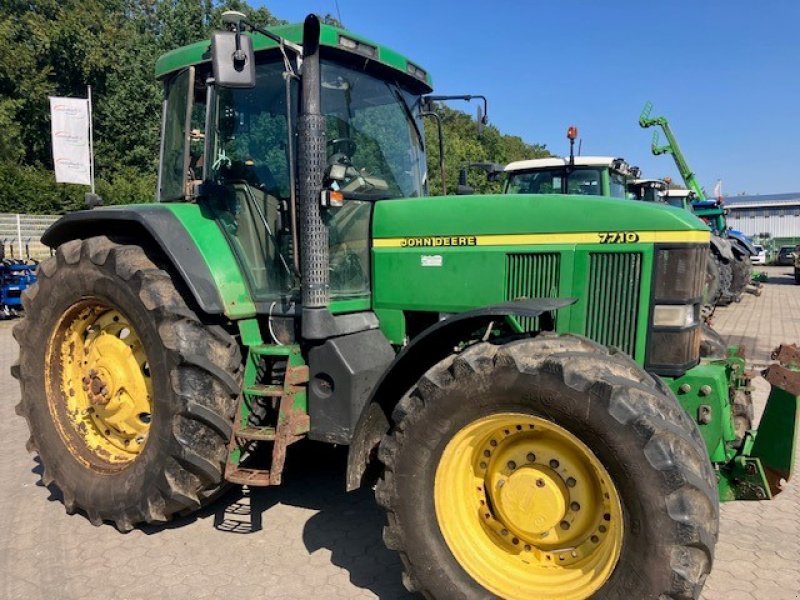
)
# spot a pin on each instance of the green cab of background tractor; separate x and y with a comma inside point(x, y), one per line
point(506, 367)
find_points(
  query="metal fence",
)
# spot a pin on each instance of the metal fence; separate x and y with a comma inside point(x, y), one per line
point(20, 235)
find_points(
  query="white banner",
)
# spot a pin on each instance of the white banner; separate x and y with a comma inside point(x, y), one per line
point(70, 131)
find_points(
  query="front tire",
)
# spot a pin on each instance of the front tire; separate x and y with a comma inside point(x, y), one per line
point(126, 435)
point(639, 449)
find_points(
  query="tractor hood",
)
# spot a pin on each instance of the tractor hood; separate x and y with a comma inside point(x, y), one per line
point(517, 214)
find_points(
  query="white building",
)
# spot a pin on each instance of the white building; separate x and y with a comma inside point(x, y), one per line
point(775, 214)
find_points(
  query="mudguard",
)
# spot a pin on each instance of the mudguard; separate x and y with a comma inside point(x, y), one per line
point(740, 242)
point(722, 247)
point(429, 347)
point(186, 238)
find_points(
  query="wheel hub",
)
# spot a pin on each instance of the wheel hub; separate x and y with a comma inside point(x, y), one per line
point(105, 382)
point(531, 501)
point(527, 509)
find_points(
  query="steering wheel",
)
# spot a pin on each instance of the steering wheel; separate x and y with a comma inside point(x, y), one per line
point(343, 145)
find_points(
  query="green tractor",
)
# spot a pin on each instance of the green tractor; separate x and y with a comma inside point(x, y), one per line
point(731, 249)
point(519, 377)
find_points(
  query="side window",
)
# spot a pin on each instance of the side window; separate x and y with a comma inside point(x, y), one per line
point(584, 182)
point(175, 136)
point(616, 185)
point(348, 229)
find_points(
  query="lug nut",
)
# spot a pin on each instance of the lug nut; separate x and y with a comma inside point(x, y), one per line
point(685, 388)
point(575, 506)
point(554, 464)
point(511, 465)
point(564, 525)
point(705, 390)
point(531, 457)
point(571, 482)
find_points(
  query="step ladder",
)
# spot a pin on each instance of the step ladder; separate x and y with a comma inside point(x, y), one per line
point(292, 424)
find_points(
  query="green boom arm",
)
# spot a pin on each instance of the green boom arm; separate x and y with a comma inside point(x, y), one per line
point(671, 148)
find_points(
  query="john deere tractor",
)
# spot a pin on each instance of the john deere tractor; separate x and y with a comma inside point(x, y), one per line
point(518, 376)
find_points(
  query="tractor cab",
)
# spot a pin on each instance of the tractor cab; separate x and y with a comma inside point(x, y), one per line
point(583, 175)
point(232, 148)
point(679, 198)
point(648, 190)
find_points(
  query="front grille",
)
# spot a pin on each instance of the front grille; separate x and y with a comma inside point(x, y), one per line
point(532, 276)
point(612, 307)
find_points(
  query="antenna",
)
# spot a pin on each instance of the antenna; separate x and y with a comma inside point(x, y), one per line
point(338, 12)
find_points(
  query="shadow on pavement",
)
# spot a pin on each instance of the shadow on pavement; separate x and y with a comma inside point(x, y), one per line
point(349, 525)
point(779, 275)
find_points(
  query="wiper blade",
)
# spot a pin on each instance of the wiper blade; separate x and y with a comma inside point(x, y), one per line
point(409, 114)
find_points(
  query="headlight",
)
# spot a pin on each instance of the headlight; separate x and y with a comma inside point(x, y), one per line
point(673, 315)
point(679, 274)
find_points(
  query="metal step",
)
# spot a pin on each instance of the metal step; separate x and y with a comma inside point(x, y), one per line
point(274, 391)
point(273, 350)
point(260, 434)
point(251, 477)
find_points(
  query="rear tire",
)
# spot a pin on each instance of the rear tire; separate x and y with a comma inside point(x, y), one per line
point(742, 273)
point(649, 446)
point(725, 281)
point(194, 371)
point(711, 295)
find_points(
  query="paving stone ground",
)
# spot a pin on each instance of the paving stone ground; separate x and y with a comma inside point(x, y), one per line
point(310, 539)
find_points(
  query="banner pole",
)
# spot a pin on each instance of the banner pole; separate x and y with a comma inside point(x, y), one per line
point(19, 237)
point(91, 136)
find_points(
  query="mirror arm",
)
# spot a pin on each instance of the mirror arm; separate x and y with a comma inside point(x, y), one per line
point(429, 100)
point(438, 120)
point(296, 48)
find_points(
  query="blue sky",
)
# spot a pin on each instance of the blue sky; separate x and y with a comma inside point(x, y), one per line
point(726, 74)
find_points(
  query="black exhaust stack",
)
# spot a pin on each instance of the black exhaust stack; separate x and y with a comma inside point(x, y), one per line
point(314, 258)
point(317, 322)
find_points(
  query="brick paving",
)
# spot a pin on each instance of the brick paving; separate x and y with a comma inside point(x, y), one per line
point(308, 538)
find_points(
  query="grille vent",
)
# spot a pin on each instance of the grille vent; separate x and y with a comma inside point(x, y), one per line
point(613, 299)
point(532, 276)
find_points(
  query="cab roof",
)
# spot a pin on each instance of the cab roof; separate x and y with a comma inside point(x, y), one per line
point(544, 163)
point(330, 36)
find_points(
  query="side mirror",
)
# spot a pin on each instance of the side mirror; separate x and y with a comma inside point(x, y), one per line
point(232, 60)
point(463, 188)
point(495, 172)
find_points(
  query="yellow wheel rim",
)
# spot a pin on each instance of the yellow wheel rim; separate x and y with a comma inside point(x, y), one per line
point(99, 389)
point(527, 509)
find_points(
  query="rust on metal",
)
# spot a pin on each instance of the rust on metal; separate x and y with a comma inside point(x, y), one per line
point(783, 378)
point(292, 425)
point(297, 375)
point(251, 477)
point(788, 355)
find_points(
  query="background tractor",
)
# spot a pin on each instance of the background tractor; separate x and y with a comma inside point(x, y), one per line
point(519, 376)
point(731, 249)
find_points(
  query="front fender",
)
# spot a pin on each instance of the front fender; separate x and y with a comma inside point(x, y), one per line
point(429, 347)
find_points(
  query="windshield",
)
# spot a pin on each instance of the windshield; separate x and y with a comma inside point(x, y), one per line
point(586, 182)
point(374, 132)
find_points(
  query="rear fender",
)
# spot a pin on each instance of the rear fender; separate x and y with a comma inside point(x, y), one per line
point(429, 347)
point(190, 241)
